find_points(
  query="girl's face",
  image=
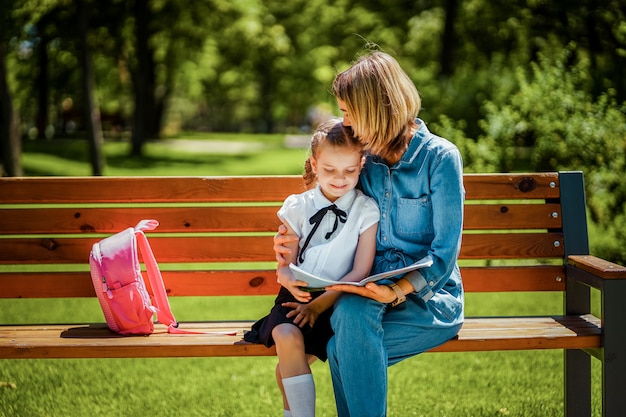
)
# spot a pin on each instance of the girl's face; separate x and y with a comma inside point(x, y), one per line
point(337, 169)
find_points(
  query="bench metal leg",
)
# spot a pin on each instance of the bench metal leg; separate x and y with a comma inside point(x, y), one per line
point(577, 362)
point(577, 383)
point(614, 341)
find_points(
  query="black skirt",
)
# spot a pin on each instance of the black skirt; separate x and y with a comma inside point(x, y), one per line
point(315, 338)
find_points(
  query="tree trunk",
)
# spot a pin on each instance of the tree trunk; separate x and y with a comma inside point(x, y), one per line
point(267, 85)
point(92, 109)
point(448, 39)
point(143, 80)
point(42, 84)
point(10, 145)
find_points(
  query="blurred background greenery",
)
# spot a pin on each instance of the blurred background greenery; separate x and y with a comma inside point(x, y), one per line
point(517, 85)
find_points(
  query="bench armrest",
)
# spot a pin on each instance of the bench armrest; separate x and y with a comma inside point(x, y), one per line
point(597, 266)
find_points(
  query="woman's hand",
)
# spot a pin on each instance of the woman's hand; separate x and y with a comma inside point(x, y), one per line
point(287, 280)
point(303, 313)
point(381, 293)
point(280, 241)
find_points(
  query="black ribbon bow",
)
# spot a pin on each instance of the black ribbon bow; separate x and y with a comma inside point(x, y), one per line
point(316, 220)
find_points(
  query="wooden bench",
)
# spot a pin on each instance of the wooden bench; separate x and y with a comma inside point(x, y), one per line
point(523, 232)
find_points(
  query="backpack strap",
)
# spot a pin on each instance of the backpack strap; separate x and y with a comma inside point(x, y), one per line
point(163, 309)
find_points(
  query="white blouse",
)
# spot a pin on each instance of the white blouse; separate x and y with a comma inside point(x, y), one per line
point(332, 258)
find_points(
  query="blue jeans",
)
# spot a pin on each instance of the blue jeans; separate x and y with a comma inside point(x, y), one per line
point(369, 337)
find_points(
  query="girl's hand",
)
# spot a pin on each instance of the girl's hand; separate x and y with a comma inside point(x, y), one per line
point(381, 293)
point(303, 313)
point(280, 241)
point(287, 280)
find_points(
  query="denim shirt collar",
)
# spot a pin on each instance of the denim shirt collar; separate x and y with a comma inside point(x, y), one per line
point(418, 140)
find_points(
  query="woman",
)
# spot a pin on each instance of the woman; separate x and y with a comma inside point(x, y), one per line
point(416, 179)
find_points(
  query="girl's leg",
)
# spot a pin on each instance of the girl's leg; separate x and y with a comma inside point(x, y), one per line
point(279, 382)
point(296, 381)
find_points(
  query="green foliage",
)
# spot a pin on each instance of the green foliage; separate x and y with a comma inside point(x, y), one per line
point(478, 156)
point(252, 65)
point(558, 123)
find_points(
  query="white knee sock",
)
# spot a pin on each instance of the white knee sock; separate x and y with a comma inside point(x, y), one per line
point(300, 392)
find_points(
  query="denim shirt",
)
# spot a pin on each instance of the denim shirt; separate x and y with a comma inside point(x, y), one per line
point(421, 211)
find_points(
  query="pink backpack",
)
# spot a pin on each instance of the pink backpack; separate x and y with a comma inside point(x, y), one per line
point(120, 287)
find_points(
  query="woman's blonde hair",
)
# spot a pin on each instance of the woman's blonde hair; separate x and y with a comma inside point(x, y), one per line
point(382, 102)
point(331, 132)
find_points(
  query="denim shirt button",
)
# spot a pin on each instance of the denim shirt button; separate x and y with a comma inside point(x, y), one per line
point(431, 283)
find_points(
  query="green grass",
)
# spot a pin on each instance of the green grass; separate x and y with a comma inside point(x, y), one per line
point(472, 384)
point(186, 155)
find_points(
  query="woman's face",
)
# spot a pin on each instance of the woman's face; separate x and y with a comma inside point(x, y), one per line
point(344, 109)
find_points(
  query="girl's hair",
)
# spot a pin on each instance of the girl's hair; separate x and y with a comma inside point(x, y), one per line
point(331, 132)
point(381, 100)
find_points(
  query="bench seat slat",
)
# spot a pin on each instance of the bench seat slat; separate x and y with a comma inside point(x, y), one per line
point(93, 341)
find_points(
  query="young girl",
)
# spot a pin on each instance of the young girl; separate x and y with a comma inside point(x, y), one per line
point(337, 225)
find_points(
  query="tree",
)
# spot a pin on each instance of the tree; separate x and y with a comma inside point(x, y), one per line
point(166, 35)
point(143, 78)
point(92, 109)
point(10, 148)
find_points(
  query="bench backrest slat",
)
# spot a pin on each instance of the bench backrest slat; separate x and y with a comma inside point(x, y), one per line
point(148, 189)
point(216, 224)
point(113, 219)
point(65, 250)
point(240, 218)
point(260, 282)
point(215, 189)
